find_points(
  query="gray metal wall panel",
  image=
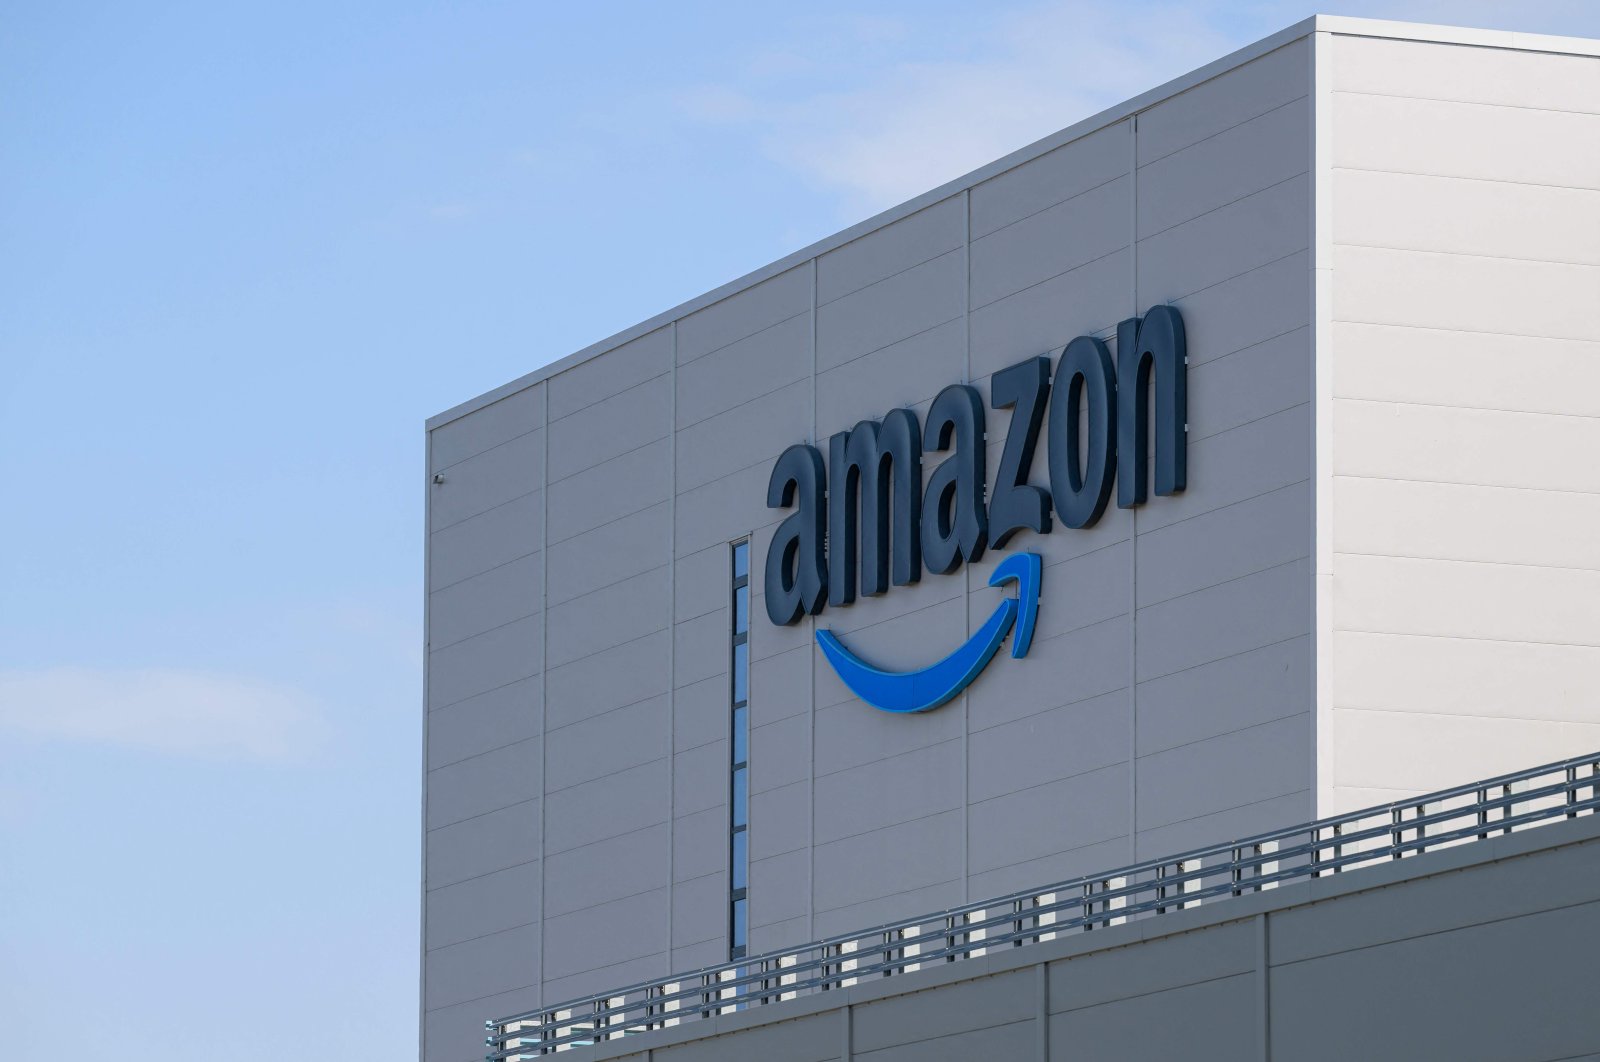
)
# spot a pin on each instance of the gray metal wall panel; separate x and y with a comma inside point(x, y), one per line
point(700, 713)
point(699, 843)
point(744, 313)
point(1014, 1041)
point(1223, 620)
point(483, 844)
point(591, 982)
point(485, 480)
point(610, 491)
point(613, 615)
point(885, 793)
point(783, 816)
point(489, 539)
point(888, 862)
point(1465, 1012)
point(778, 887)
point(847, 737)
point(477, 907)
point(505, 776)
point(891, 904)
point(627, 420)
point(612, 372)
point(455, 1033)
point(614, 551)
point(983, 1003)
point(613, 868)
point(894, 248)
point(1231, 99)
point(485, 661)
point(757, 365)
point(1244, 820)
point(503, 716)
point(894, 308)
point(699, 915)
point(1204, 701)
point(1212, 1019)
point(483, 967)
point(1057, 816)
point(783, 749)
point(491, 426)
point(905, 374)
point(1087, 227)
point(1088, 300)
point(607, 935)
point(784, 680)
point(1249, 157)
point(1092, 661)
point(700, 777)
point(764, 426)
point(717, 512)
point(1048, 745)
point(482, 602)
point(1161, 964)
point(801, 1040)
point(605, 744)
point(1226, 242)
point(1223, 772)
point(624, 674)
point(1057, 866)
point(616, 804)
point(1056, 176)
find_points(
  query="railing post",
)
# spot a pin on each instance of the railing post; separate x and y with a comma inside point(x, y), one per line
point(1572, 790)
point(1235, 871)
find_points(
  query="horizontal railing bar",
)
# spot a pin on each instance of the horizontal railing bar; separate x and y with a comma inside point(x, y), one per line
point(880, 950)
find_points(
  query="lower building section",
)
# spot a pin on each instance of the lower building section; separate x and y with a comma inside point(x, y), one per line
point(1480, 951)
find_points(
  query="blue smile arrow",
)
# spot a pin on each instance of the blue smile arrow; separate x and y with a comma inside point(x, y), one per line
point(918, 691)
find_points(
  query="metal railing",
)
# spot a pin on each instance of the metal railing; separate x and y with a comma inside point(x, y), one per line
point(1444, 819)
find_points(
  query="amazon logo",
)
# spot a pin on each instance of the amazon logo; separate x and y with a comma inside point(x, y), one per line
point(866, 520)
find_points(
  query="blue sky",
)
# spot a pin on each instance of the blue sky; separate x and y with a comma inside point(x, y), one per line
point(249, 248)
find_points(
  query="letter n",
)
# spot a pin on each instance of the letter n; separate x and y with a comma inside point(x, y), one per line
point(1153, 347)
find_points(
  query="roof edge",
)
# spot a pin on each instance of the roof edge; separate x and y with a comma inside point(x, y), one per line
point(1337, 24)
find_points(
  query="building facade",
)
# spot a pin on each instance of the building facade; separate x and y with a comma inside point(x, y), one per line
point(1378, 246)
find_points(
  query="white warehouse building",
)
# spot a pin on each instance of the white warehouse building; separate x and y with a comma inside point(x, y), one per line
point(1085, 540)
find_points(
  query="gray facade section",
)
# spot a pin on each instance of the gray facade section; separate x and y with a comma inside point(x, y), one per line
point(1480, 954)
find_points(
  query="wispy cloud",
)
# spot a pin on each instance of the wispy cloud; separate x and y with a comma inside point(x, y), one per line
point(187, 713)
point(882, 116)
